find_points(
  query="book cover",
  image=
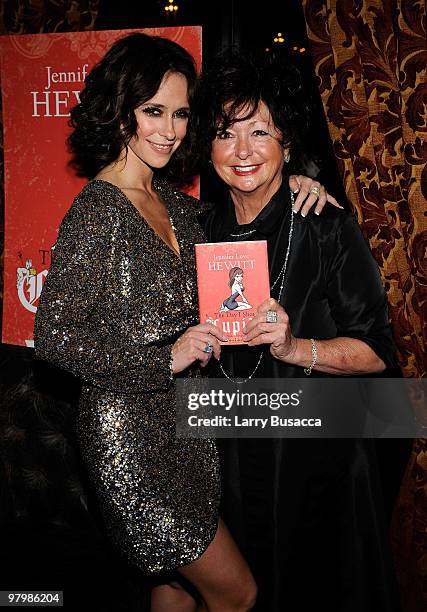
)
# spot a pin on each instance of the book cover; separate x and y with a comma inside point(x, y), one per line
point(232, 280)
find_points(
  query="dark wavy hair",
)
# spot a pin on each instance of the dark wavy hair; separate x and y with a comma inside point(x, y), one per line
point(128, 75)
point(235, 82)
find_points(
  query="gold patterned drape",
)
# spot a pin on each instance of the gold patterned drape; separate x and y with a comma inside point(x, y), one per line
point(370, 58)
point(37, 16)
point(371, 62)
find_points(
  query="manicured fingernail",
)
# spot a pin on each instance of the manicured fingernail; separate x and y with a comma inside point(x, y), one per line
point(316, 212)
point(295, 191)
point(303, 214)
point(342, 207)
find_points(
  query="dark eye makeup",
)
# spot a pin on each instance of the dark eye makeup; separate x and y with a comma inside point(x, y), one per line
point(155, 111)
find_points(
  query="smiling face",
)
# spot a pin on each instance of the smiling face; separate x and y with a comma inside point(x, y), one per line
point(248, 156)
point(162, 122)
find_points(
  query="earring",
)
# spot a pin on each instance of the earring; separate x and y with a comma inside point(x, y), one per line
point(287, 157)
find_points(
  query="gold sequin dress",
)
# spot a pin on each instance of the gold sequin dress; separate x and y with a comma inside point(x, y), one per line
point(114, 301)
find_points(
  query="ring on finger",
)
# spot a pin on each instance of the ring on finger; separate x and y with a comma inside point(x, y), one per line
point(315, 190)
point(208, 348)
point(271, 316)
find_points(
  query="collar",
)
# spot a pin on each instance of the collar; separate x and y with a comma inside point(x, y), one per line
point(265, 223)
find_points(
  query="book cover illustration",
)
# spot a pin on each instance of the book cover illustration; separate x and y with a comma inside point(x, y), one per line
point(232, 281)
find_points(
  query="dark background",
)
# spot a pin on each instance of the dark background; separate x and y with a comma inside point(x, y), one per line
point(242, 25)
point(51, 533)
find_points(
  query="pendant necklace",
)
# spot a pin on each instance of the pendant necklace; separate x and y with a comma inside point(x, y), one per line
point(281, 278)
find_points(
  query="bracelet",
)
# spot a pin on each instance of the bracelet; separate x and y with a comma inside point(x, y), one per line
point(307, 371)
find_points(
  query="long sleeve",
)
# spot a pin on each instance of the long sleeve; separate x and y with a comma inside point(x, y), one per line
point(78, 323)
point(356, 296)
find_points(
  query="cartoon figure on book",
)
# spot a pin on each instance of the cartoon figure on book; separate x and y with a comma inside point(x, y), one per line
point(235, 283)
point(127, 233)
point(307, 513)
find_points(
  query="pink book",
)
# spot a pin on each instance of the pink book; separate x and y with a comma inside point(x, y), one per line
point(232, 280)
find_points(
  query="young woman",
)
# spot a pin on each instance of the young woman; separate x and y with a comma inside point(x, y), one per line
point(101, 316)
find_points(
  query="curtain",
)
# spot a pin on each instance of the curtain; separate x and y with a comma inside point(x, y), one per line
point(37, 16)
point(370, 59)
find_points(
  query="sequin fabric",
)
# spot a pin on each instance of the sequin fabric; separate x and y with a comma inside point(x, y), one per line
point(114, 301)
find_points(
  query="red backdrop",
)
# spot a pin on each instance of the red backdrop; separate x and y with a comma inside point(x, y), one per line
point(41, 77)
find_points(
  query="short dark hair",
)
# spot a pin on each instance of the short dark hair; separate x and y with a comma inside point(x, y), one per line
point(235, 82)
point(128, 75)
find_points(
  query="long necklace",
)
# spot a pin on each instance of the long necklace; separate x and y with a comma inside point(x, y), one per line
point(281, 278)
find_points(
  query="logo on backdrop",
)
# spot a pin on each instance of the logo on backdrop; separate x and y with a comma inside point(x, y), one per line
point(56, 103)
point(41, 79)
point(29, 284)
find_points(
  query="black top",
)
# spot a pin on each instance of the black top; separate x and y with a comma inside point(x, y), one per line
point(306, 513)
point(332, 284)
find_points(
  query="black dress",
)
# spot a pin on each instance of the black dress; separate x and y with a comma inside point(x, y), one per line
point(307, 514)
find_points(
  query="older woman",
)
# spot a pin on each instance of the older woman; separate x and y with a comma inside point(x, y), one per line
point(303, 511)
point(102, 317)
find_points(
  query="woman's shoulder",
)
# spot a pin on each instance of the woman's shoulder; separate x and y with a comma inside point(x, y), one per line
point(331, 220)
point(97, 191)
point(98, 202)
point(181, 198)
point(99, 195)
point(335, 231)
